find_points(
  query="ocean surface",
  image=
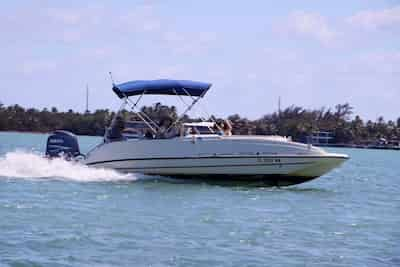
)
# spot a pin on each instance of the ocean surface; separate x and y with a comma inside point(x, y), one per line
point(55, 213)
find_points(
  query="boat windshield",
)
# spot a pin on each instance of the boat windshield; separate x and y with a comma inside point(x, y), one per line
point(135, 129)
point(199, 128)
point(140, 130)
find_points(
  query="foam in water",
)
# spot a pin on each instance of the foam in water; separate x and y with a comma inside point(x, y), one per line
point(28, 165)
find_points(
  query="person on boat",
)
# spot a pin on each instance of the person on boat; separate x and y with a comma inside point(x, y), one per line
point(227, 128)
point(194, 130)
point(219, 128)
point(148, 134)
point(182, 130)
point(172, 132)
point(167, 129)
point(114, 132)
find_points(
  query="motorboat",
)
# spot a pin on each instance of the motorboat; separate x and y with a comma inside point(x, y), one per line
point(199, 150)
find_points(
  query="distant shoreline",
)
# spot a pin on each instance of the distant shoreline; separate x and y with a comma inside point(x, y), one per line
point(334, 126)
point(30, 132)
point(377, 147)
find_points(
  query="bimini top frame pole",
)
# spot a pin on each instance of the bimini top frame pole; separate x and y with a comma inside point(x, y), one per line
point(139, 113)
point(195, 90)
point(188, 108)
point(211, 118)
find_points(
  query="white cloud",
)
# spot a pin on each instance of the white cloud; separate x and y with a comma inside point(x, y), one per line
point(376, 19)
point(142, 18)
point(381, 62)
point(73, 25)
point(171, 36)
point(252, 76)
point(187, 43)
point(37, 66)
point(65, 16)
point(171, 71)
point(207, 37)
point(308, 25)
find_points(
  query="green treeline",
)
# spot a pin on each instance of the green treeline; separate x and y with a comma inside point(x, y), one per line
point(293, 121)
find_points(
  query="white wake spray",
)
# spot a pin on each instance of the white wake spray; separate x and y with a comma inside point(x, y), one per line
point(28, 165)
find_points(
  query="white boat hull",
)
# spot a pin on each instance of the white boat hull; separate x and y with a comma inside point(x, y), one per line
point(233, 158)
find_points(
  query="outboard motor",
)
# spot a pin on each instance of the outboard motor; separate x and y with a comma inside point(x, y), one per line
point(62, 144)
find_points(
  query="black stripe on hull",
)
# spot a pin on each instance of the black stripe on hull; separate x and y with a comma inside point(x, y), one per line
point(133, 169)
point(234, 180)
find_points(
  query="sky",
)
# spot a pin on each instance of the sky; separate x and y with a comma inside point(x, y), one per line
point(311, 53)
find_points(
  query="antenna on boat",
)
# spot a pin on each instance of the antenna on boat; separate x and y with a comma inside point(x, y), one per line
point(111, 77)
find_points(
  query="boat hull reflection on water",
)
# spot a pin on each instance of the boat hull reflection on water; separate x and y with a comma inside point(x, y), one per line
point(273, 160)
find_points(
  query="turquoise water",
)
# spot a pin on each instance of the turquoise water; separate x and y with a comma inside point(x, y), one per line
point(60, 214)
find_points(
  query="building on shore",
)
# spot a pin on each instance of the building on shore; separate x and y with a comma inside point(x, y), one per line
point(322, 138)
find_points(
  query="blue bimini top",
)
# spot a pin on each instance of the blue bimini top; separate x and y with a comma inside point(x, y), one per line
point(161, 87)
